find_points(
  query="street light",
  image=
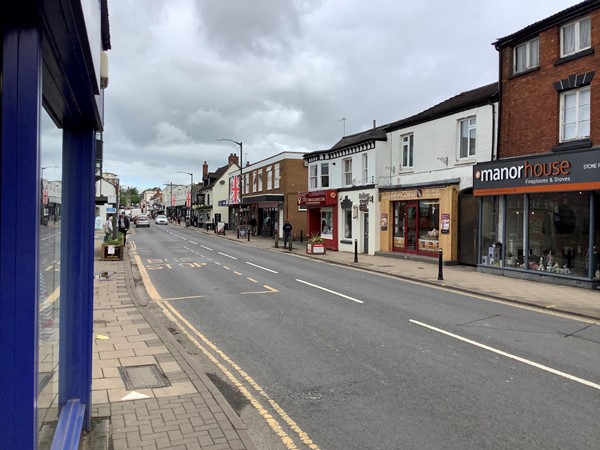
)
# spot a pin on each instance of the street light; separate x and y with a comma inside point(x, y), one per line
point(241, 180)
point(170, 184)
point(191, 190)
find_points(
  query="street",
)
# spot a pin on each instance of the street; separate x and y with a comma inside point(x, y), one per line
point(337, 358)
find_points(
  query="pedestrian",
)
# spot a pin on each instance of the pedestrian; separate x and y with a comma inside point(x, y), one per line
point(253, 224)
point(287, 233)
point(124, 227)
point(108, 228)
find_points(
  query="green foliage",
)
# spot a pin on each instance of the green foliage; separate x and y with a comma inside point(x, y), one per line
point(315, 239)
point(115, 241)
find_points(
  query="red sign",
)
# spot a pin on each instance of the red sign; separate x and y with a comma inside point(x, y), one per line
point(45, 196)
point(188, 199)
point(172, 200)
point(235, 190)
point(317, 198)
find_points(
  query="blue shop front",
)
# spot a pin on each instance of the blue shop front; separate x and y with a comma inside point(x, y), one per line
point(54, 71)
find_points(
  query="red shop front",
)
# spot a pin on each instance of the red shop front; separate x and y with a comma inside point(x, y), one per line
point(322, 215)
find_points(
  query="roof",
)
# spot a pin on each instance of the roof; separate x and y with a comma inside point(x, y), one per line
point(214, 176)
point(461, 102)
point(549, 22)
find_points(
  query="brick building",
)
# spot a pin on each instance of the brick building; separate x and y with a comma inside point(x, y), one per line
point(540, 199)
point(270, 194)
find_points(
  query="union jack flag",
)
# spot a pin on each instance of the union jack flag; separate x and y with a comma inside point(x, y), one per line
point(234, 190)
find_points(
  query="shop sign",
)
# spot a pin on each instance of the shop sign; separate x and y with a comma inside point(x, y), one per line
point(364, 200)
point(317, 198)
point(411, 194)
point(445, 223)
point(545, 173)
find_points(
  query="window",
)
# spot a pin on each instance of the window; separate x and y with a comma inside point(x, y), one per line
point(575, 36)
point(407, 150)
point(313, 176)
point(365, 167)
point(260, 180)
point(269, 178)
point(575, 114)
point(327, 223)
point(246, 185)
point(347, 223)
point(467, 137)
point(254, 181)
point(324, 175)
point(347, 164)
point(527, 56)
point(276, 181)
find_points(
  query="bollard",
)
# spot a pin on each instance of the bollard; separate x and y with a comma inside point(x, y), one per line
point(355, 250)
point(301, 237)
point(440, 265)
point(290, 244)
point(276, 241)
point(248, 234)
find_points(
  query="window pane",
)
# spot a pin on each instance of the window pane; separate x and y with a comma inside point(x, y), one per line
point(585, 29)
point(534, 53)
point(568, 39)
point(520, 58)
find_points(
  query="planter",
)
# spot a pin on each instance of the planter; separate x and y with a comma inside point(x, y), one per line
point(315, 249)
point(112, 252)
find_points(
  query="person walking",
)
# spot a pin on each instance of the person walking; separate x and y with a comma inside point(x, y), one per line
point(253, 225)
point(287, 233)
point(108, 228)
point(124, 227)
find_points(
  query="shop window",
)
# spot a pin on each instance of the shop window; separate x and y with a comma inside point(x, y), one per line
point(515, 229)
point(490, 231)
point(559, 233)
point(327, 223)
point(429, 225)
point(348, 223)
point(49, 263)
point(399, 225)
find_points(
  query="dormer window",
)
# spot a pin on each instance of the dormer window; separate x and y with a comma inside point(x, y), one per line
point(575, 36)
point(526, 56)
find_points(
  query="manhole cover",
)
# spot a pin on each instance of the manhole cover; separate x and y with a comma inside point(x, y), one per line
point(143, 377)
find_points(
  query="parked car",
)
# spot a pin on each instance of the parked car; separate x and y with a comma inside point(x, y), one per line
point(161, 220)
point(142, 221)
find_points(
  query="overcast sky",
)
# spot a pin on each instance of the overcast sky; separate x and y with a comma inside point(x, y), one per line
point(281, 74)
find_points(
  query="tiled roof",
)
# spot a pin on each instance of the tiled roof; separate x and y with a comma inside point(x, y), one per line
point(214, 176)
point(549, 22)
point(461, 102)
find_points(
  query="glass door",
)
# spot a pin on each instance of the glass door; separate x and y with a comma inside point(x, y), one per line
point(411, 229)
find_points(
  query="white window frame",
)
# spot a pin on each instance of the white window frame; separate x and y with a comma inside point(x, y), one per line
point(347, 219)
point(327, 216)
point(347, 171)
point(260, 180)
point(246, 186)
point(468, 150)
point(365, 167)
point(324, 176)
point(531, 55)
point(277, 176)
point(313, 179)
point(269, 178)
point(254, 181)
point(580, 41)
point(408, 146)
point(581, 111)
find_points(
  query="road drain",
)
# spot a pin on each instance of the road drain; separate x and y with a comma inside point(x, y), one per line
point(232, 394)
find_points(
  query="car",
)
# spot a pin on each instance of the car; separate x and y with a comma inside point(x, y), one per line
point(142, 221)
point(161, 220)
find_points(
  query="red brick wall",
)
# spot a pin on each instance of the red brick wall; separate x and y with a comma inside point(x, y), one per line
point(529, 104)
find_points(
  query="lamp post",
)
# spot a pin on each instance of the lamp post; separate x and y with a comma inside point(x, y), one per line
point(241, 182)
point(191, 189)
point(170, 184)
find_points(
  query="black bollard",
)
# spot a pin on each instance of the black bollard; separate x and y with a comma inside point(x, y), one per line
point(248, 234)
point(355, 250)
point(440, 265)
point(290, 244)
point(301, 237)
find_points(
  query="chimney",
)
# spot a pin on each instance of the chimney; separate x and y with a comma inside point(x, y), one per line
point(233, 159)
point(374, 124)
point(204, 171)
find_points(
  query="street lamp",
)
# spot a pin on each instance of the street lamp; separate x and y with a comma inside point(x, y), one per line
point(241, 181)
point(191, 190)
point(170, 184)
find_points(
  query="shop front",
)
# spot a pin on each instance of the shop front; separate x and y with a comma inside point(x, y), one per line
point(322, 215)
point(539, 217)
point(420, 221)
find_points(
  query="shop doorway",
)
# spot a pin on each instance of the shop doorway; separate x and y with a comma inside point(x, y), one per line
point(468, 228)
point(412, 225)
point(366, 233)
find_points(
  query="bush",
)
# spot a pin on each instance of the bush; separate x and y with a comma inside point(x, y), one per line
point(115, 241)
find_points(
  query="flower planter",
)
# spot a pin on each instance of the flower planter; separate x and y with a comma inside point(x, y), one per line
point(315, 248)
point(112, 252)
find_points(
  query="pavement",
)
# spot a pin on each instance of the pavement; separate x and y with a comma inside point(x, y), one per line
point(174, 405)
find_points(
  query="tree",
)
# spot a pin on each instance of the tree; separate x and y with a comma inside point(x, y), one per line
point(129, 195)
